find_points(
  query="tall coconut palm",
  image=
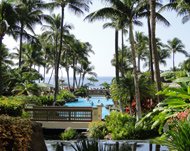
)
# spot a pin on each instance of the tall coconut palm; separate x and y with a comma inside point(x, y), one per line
point(32, 55)
point(181, 6)
point(125, 11)
point(152, 4)
point(163, 54)
point(125, 63)
point(7, 26)
point(116, 25)
point(85, 69)
point(141, 43)
point(28, 14)
point(145, 12)
point(52, 33)
point(77, 6)
point(175, 45)
point(80, 52)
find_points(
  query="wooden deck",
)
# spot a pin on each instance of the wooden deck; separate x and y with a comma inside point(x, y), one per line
point(62, 117)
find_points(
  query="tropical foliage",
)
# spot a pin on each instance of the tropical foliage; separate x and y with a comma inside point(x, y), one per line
point(68, 134)
point(97, 130)
point(176, 100)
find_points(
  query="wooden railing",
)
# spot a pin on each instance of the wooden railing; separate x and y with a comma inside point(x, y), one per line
point(82, 114)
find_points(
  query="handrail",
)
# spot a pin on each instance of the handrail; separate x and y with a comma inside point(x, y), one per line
point(81, 114)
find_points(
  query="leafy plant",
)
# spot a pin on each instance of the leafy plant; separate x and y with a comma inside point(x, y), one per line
point(65, 95)
point(82, 91)
point(120, 125)
point(97, 129)
point(68, 134)
point(38, 100)
point(177, 138)
point(176, 100)
point(11, 106)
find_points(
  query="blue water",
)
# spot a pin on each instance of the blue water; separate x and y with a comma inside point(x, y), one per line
point(92, 102)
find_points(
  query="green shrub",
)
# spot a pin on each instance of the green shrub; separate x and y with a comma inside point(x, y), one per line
point(39, 100)
point(15, 133)
point(121, 126)
point(12, 106)
point(68, 134)
point(97, 129)
point(65, 95)
point(82, 92)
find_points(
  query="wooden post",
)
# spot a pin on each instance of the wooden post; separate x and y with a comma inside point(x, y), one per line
point(99, 112)
point(95, 114)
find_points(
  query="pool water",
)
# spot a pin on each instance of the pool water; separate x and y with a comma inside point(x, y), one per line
point(93, 102)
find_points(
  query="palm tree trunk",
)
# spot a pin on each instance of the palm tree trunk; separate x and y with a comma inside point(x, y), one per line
point(116, 57)
point(153, 46)
point(59, 57)
point(83, 76)
point(80, 78)
point(173, 61)
point(74, 72)
point(39, 72)
point(20, 51)
point(67, 71)
point(136, 80)
point(117, 64)
point(44, 73)
point(50, 76)
point(122, 47)
point(1, 80)
point(56, 70)
point(139, 63)
point(150, 49)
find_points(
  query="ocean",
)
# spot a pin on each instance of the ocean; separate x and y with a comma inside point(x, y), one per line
point(100, 79)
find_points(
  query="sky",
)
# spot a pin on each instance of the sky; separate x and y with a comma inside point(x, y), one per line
point(102, 40)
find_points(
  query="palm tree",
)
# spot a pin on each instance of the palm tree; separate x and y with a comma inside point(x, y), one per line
point(77, 6)
point(163, 54)
point(115, 24)
point(86, 70)
point(141, 43)
point(124, 11)
point(7, 26)
point(32, 55)
point(28, 14)
point(181, 6)
point(145, 12)
point(125, 62)
point(175, 45)
point(152, 4)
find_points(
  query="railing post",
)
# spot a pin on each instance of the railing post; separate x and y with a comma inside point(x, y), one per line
point(97, 113)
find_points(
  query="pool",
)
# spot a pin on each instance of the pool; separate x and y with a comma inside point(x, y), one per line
point(93, 102)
